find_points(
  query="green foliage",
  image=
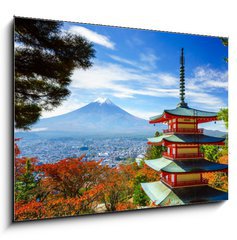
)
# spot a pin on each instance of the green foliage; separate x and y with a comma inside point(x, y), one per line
point(45, 58)
point(139, 196)
point(26, 184)
point(220, 181)
point(211, 152)
point(154, 152)
point(157, 134)
point(129, 161)
point(223, 115)
point(225, 43)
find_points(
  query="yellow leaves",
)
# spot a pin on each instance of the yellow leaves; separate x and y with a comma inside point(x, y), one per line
point(223, 159)
point(218, 180)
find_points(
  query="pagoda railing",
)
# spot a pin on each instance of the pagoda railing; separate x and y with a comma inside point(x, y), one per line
point(184, 130)
point(185, 183)
point(183, 155)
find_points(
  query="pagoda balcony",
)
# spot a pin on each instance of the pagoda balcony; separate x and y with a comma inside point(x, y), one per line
point(183, 155)
point(185, 183)
point(184, 131)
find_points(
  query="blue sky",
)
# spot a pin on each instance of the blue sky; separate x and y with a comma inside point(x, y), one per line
point(139, 71)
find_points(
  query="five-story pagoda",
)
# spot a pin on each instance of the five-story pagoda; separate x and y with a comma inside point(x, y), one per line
point(182, 166)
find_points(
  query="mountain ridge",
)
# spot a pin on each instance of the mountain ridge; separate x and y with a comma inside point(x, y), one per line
point(101, 116)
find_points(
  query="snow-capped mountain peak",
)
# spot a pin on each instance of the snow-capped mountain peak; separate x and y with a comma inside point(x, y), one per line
point(100, 117)
point(102, 100)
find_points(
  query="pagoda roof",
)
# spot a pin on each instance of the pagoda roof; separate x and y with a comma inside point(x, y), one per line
point(163, 195)
point(158, 139)
point(191, 165)
point(158, 192)
point(185, 138)
point(158, 164)
point(184, 112)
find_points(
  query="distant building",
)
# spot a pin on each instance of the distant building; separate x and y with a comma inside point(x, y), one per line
point(181, 168)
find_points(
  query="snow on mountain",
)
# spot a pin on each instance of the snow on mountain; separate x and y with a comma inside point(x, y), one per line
point(102, 100)
point(99, 117)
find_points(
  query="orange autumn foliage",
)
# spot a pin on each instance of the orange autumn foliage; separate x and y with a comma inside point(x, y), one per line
point(59, 207)
point(149, 173)
point(118, 182)
point(69, 176)
point(223, 159)
point(125, 206)
point(217, 180)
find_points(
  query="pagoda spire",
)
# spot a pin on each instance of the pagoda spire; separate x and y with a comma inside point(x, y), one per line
point(182, 81)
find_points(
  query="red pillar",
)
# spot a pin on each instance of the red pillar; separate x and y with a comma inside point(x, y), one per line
point(176, 150)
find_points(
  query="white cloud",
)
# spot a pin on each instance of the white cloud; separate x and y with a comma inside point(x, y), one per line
point(69, 105)
point(218, 125)
point(149, 58)
point(208, 79)
point(93, 36)
point(145, 61)
point(123, 82)
point(205, 100)
point(141, 114)
point(38, 129)
point(202, 86)
point(123, 60)
point(167, 79)
point(128, 82)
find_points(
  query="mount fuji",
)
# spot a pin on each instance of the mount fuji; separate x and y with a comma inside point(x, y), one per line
point(100, 117)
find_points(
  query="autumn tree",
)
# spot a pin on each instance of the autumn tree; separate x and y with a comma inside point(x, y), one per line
point(218, 180)
point(70, 177)
point(119, 186)
point(45, 57)
point(73, 186)
point(57, 207)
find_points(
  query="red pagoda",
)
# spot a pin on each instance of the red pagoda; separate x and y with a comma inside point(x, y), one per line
point(182, 166)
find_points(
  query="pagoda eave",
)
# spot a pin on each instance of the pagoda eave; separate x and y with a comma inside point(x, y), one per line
point(198, 171)
point(185, 166)
point(163, 195)
point(155, 144)
point(167, 143)
point(167, 116)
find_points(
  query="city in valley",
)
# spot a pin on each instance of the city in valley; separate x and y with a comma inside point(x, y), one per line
point(111, 151)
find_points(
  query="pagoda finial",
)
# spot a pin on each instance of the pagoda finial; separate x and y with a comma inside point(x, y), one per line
point(182, 81)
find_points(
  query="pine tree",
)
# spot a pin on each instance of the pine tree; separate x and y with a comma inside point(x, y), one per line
point(45, 57)
point(26, 184)
point(139, 196)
